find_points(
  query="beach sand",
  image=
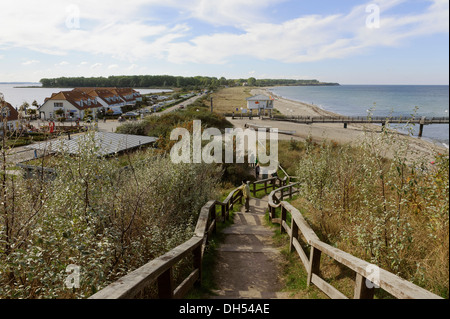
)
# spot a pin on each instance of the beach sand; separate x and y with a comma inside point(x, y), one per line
point(354, 134)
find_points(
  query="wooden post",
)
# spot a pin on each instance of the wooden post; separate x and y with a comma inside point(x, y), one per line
point(224, 212)
point(265, 187)
point(283, 218)
point(422, 123)
point(290, 192)
point(421, 130)
point(294, 234)
point(361, 289)
point(213, 217)
point(314, 264)
point(165, 285)
point(198, 263)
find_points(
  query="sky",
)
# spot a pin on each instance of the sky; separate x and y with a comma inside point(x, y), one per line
point(345, 41)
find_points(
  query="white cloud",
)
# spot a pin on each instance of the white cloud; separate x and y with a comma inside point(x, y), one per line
point(314, 37)
point(62, 63)
point(126, 31)
point(113, 66)
point(30, 62)
point(132, 67)
point(96, 65)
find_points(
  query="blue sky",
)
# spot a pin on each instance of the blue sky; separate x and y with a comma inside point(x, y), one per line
point(345, 41)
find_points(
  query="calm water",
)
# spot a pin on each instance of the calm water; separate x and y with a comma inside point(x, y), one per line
point(17, 94)
point(384, 100)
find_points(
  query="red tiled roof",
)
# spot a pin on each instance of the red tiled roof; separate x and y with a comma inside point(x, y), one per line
point(75, 96)
point(83, 93)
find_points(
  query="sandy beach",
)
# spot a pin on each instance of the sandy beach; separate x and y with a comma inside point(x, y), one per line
point(354, 134)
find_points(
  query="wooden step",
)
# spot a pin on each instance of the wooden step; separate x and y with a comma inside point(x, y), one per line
point(250, 294)
point(247, 249)
point(248, 230)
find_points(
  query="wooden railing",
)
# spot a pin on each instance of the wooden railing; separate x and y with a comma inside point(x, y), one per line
point(269, 183)
point(160, 270)
point(368, 276)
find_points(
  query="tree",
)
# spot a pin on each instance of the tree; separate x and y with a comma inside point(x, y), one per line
point(251, 81)
point(24, 107)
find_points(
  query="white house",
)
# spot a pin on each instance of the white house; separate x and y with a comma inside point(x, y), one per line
point(71, 103)
point(260, 103)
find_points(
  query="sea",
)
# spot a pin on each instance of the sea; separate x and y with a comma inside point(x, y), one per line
point(380, 100)
point(347, 100)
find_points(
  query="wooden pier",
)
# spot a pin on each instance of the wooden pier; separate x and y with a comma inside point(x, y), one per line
point(345, 120)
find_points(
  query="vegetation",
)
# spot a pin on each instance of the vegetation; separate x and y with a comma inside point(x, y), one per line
point(98, 216)
point(162, 126)
point(389, 211)
point(164, 81)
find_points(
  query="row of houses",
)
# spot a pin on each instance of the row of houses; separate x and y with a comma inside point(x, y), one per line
point(73, 104)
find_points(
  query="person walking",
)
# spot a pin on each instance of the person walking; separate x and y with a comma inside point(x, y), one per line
point(246, 193)
point(257, 170)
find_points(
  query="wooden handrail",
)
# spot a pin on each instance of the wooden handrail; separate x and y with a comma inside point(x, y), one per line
point(367, 275)
point(269, 183)
point(160, 269)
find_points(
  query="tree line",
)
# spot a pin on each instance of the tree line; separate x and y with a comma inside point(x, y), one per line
point(163, 81)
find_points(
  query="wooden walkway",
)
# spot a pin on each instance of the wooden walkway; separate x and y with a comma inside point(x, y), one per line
point(247, 262)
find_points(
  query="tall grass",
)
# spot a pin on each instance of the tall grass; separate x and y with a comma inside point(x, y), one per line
point(391, 211)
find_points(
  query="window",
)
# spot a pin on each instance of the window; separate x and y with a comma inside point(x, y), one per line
point(58, 104)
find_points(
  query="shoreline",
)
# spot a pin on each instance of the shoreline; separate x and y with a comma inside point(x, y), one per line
point(354, 134)
point(301, 107)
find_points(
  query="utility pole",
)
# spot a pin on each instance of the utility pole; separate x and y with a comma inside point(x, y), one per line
point(212, 108)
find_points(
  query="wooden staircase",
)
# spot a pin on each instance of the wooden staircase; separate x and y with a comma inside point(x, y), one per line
point(247, 262)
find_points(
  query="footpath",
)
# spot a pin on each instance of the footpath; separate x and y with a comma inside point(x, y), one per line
point(248, 264)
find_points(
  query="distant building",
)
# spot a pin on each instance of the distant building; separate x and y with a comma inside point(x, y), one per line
point(8, 112)
point(106, 97)
point(75, 103)
point(259, 102)
point(68, 104)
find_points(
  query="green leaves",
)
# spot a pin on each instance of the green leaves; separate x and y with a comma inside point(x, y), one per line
point(100, 217)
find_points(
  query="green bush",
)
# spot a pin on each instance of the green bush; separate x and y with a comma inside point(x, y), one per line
point(98, 216)
point(391, 211)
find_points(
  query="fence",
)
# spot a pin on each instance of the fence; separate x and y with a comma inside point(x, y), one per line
point(160, 270)
point(368, 276)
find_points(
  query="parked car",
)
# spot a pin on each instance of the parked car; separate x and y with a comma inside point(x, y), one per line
point(115, 112)
point(130, 114)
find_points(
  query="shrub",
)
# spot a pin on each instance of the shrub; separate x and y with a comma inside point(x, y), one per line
point(98, 216)
point(389, 209)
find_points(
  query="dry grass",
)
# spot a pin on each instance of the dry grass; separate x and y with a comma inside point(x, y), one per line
point(228, 100)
